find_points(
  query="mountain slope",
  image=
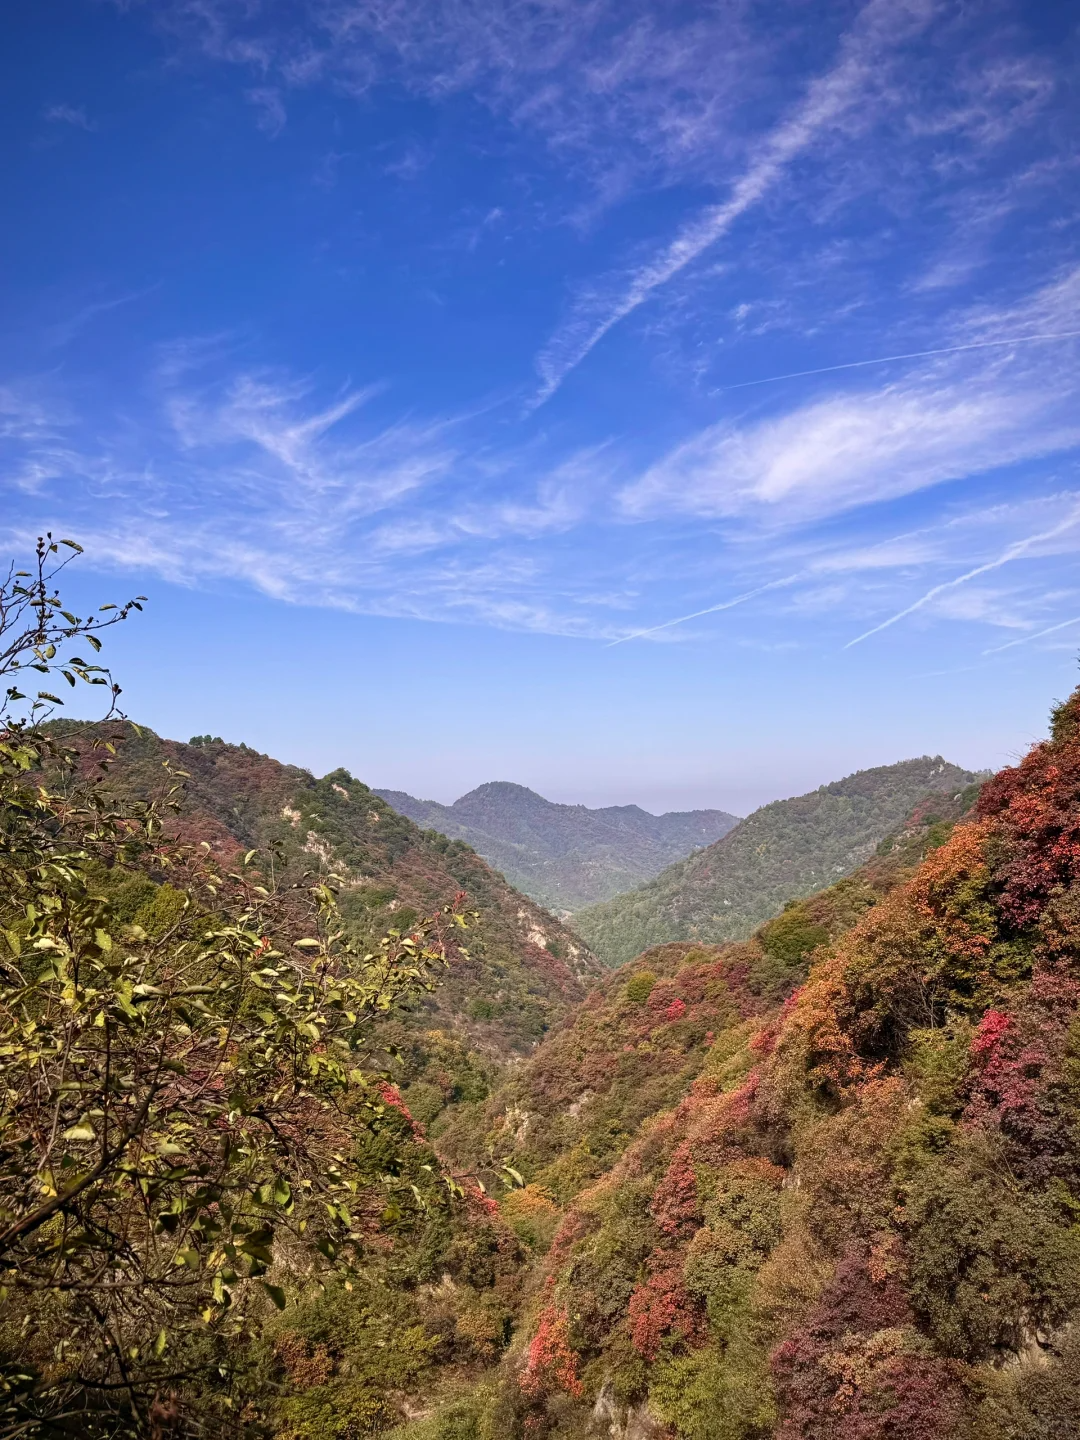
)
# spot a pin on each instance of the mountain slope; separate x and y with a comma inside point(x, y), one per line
point(856, 1217)
point(783, 851)
point(636, 1042)
point(565, 856)
point(524, 967)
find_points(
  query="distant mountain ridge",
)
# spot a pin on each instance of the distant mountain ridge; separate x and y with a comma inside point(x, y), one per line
point(564, 856)
point(783, 851)
point(523, 968)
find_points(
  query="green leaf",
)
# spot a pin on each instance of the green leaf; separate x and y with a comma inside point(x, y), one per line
point(276, 1293)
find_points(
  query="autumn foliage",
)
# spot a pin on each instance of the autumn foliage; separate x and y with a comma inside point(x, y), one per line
point(857, 1216)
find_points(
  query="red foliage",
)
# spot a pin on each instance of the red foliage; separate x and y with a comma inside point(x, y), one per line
point(992, 1027)
point(551, 1363)
point(676, 1010)
point(390, 1095)
point(846, 1375)
point(1019, 1084)
point(764, 1042)
point(675, 1200)
point(1036, 805)
point(662, 1305)
point(477, 1200)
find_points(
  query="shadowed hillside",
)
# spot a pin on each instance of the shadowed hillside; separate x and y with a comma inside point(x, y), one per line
point(781, 852)
point(565, 856)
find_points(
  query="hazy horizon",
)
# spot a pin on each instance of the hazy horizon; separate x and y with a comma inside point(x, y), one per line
point(659, 404)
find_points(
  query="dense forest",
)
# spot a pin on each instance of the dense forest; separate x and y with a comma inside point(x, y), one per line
point(781, 852)
point(565, 856)
point(313, 1127)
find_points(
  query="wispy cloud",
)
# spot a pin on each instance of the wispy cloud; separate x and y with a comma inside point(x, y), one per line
point(829, 455)
point(623, 87)
point(1006, 343)
point(26, 417)
point(268, 102)
point(1038, 635)
point(708, 610)
point(880, 27)
point(751, 131)
point(65, 330)
point(1012, 552)
point(263, 441)
point(247, 476)
point(74, 115)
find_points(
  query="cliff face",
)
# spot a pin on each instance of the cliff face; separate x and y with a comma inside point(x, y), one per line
point(781, 852)
point(565, 856)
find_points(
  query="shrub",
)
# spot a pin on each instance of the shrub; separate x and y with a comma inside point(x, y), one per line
point(639, 987)
point(792, 936)
point(532, 1215)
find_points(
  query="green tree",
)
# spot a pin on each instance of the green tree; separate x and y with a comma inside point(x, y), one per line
point(187, 1064)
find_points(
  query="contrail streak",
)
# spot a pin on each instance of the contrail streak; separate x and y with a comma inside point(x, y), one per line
point(1013, 552)
point(828, 98)
point(709, 610)
point(911, 355)
point(1024, 639)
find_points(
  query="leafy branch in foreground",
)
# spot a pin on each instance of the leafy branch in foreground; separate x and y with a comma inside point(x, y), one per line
point(36, 629)
point(187, 1069)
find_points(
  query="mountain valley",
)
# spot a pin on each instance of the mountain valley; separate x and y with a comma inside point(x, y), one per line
point(524, 966)
point(565, 856)
point(811, 1172)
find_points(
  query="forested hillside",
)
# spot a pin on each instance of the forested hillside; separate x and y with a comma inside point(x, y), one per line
point(296, 1147)
point(565, 856)
point(822, 1184)
point(781, 852)
point(524, 966)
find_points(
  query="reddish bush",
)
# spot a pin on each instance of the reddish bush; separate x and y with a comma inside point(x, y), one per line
point(551, 1363)
point(390, 1095)
point(848, 1375)
point(675, 1200)
point(992, 1027)
point(1021, 1085)
point(663, 1306)
point(1036, 806)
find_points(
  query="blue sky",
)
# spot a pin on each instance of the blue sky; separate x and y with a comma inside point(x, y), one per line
point(662, 402)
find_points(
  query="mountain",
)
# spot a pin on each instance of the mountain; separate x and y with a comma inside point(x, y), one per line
point(632, 1048)
point(564, 856)
point(822, 1183)
point(818, 1183)
point(785, 850)
point(524, 966)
